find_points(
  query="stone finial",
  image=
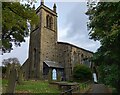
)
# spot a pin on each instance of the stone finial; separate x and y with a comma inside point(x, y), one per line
point(34, 6)
point(54, 7)
point(42, 2)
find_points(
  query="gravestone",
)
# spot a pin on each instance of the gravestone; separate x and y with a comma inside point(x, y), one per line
point(8, 71)
point(20, 76)
point(12, 81)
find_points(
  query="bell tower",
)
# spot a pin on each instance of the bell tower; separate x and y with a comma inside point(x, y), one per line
point(43, 40)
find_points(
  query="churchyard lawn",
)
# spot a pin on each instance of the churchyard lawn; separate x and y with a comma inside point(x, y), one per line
point(32, 86)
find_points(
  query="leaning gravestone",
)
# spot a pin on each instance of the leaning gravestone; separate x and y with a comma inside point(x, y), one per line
point(12, 81)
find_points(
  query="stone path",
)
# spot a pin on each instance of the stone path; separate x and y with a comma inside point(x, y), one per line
point(99, 88)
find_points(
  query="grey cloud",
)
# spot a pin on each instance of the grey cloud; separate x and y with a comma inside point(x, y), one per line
point(77, 22)
point(77, 19)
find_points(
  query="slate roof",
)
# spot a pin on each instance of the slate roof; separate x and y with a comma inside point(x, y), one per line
point(75, 46)
point(53, 64)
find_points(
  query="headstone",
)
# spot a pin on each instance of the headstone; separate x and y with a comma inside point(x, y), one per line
point(20, 76)
point(8, 71)
point(12, 81)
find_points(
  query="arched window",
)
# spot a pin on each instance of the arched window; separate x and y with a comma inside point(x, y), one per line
point(35, 58)
point(54, 74)
point(82, 57)
point(49, 22)
point(74, 57)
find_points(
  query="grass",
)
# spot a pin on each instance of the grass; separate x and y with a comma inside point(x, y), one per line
point(4, 84)
point(84, 87)
point(33, 87)
point(0, 85)
point(39, 86)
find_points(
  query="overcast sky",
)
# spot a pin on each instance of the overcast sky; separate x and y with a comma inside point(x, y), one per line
point(72, 28)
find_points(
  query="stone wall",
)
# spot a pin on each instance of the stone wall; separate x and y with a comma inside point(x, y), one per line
point(34, 54)
point(25, 69)
point(68, 55)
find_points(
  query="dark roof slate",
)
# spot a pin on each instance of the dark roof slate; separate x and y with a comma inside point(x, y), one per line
point(53, 64)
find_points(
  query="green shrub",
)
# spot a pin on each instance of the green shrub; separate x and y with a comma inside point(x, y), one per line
point(81, 73)
point(108, 74)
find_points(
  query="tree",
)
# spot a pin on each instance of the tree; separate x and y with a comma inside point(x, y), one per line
point(10, 61)
point(104, 26)
point(15, 19)
point(81, 73)
point(8, 64)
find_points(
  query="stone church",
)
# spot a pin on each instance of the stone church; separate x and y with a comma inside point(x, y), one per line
point(49, 58)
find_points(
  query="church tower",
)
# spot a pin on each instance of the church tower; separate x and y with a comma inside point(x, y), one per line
point(43, 41)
